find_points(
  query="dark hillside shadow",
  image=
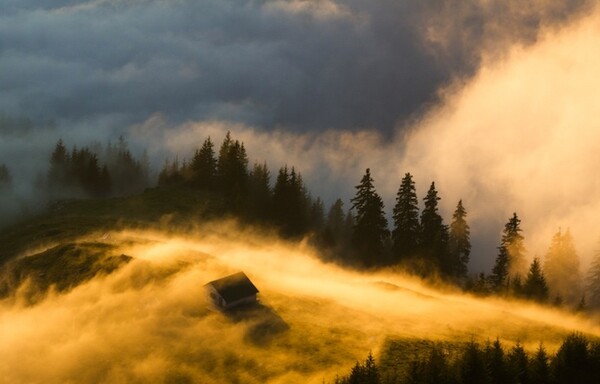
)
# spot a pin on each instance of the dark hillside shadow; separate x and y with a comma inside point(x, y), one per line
point(264, 324)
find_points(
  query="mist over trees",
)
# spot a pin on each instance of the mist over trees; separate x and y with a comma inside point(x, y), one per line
point(358, 235)
point(561, 268)
point(95, 172)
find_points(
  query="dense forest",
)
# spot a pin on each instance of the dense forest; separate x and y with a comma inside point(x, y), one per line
point(577, 360)
point(419, 241)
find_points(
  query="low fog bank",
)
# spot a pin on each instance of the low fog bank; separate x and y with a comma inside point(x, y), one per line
point(149, 321)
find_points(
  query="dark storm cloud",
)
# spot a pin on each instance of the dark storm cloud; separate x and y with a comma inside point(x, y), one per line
point(304, 65)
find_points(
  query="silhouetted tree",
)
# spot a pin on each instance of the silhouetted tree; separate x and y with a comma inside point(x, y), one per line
point(514, 243)
point(571, 363)
point(290, 203)
point(204, 166)
point(171, 174)
point(518, 365)
point(511, 256)
point(436, 369)
point(499, 276)
point(59, 167)
point(561, 267)
point(232, 171)
point(406, 232)
point(260, 194)
point(496, 363)
point(459, 241)
point(472, 367)
point(128, 175)
point(539, 370)
point(434, 234)
point(535, 286)
point(370, 227)
point(366, 373)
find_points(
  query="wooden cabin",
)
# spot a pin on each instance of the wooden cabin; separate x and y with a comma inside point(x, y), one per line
point(231, 291)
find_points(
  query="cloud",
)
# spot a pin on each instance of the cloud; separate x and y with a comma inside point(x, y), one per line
point(520, 136)
point(305, 65)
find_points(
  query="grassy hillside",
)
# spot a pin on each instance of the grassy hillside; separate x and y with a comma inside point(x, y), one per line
point(143, 317)
point(61, 267)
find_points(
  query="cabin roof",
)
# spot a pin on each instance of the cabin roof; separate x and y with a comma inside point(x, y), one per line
point(234, 287)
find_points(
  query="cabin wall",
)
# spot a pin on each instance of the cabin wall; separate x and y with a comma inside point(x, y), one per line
point(214, 298)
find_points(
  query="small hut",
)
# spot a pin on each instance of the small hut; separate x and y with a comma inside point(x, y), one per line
point(231, 291)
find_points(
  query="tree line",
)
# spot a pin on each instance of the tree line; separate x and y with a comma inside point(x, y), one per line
point(577, 361)
point(95, 171)
point(419, 240)
point(245, 192)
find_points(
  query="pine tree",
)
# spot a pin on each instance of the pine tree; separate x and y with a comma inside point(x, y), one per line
point(370, 228)
point(471, 365)
point(514, 243)
point(290, 203)
point(496, 362)
point(232, 171)
point(499, 276)
point(129, 176)
point(405, 235)
point(59, 163)
point(334, 224)
point(571, 362)
point(561, 267)
point(535, 286)
point(434, 234)
point(260, 194)
point(459, 240)
point(518, 365)
point(204, 166)
point(539, 371)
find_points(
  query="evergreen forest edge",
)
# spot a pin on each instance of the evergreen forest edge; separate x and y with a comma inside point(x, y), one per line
point(419, 243)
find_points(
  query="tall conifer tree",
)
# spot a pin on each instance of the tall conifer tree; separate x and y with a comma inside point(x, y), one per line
point(459, 240)
point(561, 267)
point(434, 234)
point(232, 171)
point(514, 243)
point(535, 286)
point(204, 166)
point(499, 276)
point(370, 227)
point(405, 236)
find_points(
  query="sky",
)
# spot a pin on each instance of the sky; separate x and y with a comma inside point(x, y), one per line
point(492, 100)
